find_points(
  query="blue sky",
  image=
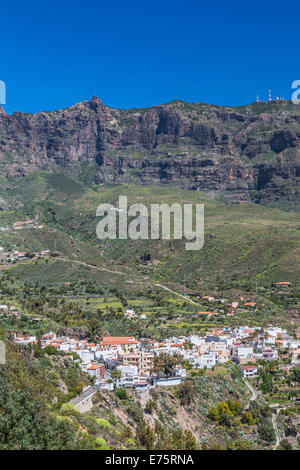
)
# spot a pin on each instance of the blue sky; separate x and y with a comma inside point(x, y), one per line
point(141, 53)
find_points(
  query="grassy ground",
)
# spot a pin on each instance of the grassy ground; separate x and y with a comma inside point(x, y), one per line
point(247, 248)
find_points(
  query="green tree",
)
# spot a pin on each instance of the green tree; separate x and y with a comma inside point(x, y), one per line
point(266, 433)
point(146, 435)
point(94, 329)
point(116, 374)
point(296, 374)
point(121, 393)
point(165, 363)
point(190, 440)
point(186, 392)
point(26, 425)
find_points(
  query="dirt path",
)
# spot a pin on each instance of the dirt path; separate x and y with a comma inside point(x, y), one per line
point(176, 293)
point(119, 273)
point(274, 422)
point(91, 266)
point(251, 389)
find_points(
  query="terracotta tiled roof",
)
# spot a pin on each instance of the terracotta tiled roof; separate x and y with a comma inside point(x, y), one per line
point(94, 367)
point(114, 340)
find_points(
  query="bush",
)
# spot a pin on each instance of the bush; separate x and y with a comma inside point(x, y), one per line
point(247, 418)
point(150, 406)
point(285, 445)
point(186, 392)
point(121, 393)
point(51, 351)
point(267, 433)
point(103, 423)
point(68, 409)
point(135, 412)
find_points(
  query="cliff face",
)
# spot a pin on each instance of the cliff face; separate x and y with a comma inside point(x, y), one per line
point(242, 154)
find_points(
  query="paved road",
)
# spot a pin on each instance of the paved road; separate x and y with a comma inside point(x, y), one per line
point(83, 396)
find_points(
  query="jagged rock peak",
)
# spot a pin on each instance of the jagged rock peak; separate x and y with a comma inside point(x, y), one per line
point(95, 99)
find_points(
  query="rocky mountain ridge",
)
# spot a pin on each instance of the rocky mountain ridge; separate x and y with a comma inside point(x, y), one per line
point(247, 153)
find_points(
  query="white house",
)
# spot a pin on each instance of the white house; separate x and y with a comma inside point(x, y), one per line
point(204, 360)
point(25, 339)
point(244, 352)
point(130, 314)
point(130, 377)
point(296, 356)
point(249, 371)
point(270, 354)
point(85, 355)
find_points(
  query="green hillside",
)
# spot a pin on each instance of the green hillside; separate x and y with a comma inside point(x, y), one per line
point(244, 242)
point(247, 249)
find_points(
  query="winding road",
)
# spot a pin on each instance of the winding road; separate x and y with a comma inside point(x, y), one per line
point(83, 397)
point(274, 416)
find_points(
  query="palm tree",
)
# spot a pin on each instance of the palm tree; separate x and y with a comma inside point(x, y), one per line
point(116, 375)
point(271, 367)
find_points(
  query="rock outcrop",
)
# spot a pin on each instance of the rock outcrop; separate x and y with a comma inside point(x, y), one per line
point(241, 154)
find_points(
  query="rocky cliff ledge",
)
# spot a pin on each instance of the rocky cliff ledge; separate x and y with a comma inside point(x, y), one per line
point(242, 154)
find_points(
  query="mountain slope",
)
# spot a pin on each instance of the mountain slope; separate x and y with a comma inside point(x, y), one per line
point(245, 242)
point(248, 153)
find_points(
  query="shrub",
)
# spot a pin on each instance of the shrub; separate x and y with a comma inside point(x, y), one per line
point(150, 406)
point(285, 445)
point(186, 392)
point(247, 418)
point(267, 433)
point(135, 412)
point(103, 423)
point(121, 393)
point(101, 444)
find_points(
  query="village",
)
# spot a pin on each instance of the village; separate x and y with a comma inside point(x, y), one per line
point(15, 255)
point(134, 358)
point(156, 342)
point(12, 254)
